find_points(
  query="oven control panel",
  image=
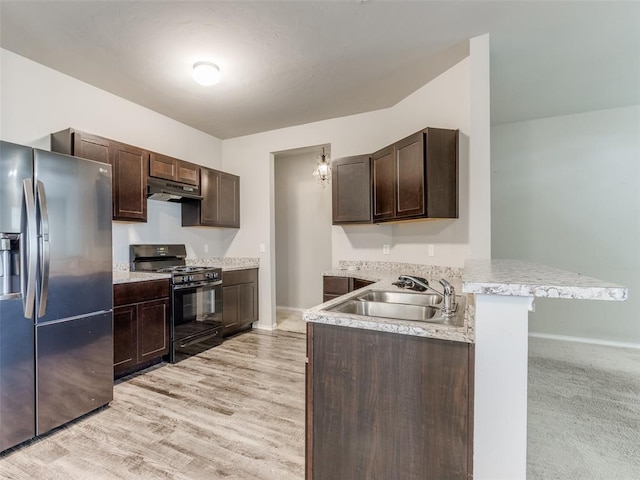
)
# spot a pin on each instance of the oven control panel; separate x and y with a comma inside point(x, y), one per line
point(207, 276)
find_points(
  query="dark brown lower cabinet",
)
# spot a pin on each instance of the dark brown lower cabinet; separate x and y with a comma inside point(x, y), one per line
point(239, 300)
point(140, 325)
point(387, 406)
point(333, 287)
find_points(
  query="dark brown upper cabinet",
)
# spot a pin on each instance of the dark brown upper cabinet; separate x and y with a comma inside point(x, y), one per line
point(351, 190)
point(129, 169)
point(383, 184)
point(161, 166)
point(220, 205)
point(415, 178)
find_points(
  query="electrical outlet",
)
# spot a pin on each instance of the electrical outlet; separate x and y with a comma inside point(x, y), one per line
point(206, 248)
point(385, 249)
point(262, 248)
point(431, 249)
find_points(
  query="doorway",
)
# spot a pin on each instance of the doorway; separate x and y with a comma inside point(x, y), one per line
point(302, 234)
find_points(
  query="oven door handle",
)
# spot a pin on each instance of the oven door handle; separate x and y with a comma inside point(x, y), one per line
point(196, 285)
point(199, 339)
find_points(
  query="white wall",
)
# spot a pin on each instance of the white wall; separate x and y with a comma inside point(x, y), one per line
point(443, 102)
point(37, 101)
point(302, 231)
point(566, 193)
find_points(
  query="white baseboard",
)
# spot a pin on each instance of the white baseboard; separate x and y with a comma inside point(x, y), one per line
point(594, 341)
point(295, 309)
point(262, 326)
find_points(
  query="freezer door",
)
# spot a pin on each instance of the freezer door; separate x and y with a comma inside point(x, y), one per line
point(17, 397)
point(16, 165)
point(74, 367)
point(73, 198)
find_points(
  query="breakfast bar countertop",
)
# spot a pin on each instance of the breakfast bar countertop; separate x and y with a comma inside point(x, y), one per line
point(527, 279)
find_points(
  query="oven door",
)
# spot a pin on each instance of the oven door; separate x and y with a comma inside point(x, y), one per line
point(196, 316)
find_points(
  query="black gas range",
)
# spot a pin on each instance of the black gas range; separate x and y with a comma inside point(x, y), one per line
point(196, 297)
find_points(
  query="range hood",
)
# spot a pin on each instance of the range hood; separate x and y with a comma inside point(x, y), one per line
point(168, 191)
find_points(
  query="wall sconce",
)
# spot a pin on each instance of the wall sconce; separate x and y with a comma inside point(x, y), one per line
point(322, 172)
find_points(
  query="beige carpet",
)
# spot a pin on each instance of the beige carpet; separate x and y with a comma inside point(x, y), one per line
point(290, 320)
point(584, 411)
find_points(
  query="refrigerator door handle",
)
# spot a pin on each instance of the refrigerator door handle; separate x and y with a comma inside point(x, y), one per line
point(45, 259)
point(32, 248)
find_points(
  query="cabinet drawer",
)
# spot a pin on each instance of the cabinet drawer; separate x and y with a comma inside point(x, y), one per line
point(136, 292)
point(236, 277)
point(337, 285)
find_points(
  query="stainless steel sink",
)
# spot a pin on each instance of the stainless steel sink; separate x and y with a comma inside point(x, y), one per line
point(421, 313)
point(425, 299)
point(398, 305)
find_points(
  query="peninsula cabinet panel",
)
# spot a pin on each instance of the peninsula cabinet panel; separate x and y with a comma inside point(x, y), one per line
point(387, 406)
point(351, 190)
point(129, 169)
point(220, 205)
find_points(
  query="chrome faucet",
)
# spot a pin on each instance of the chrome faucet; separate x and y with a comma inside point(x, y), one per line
point(421, 284)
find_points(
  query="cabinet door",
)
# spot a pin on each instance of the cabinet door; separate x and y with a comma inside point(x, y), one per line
point(124, 337)
point(351, 190)
point(210, 204)
point(230, 307)
point(91, 147)
point(410, 176)
point(153, 329)
point(161, 166)
point(220, 204)
point(187, 173)
point(383, 184)
point(229, 200)
point(247, 303)
point(130, 182)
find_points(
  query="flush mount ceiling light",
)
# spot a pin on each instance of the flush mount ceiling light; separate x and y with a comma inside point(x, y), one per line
point(206, 73)
point(322, 172)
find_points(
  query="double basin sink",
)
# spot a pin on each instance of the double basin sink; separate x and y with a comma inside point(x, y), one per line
point(419, 307)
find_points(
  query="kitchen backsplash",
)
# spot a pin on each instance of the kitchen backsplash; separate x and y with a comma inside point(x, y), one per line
point(405, 268)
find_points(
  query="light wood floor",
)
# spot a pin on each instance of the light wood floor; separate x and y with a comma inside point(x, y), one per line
point(234, 412)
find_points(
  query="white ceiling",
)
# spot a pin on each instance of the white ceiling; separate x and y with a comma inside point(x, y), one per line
point(287, 63)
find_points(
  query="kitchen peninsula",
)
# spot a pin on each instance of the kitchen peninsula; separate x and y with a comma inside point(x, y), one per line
point(489, 441)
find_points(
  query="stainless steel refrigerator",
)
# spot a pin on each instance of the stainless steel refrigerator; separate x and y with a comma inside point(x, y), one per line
point(56, 301)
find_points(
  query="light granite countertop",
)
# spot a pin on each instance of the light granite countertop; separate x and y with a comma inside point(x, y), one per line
point(383, 274)
point(121, 273)
point(120, 276)
point(488, 277)
point(527, 279)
